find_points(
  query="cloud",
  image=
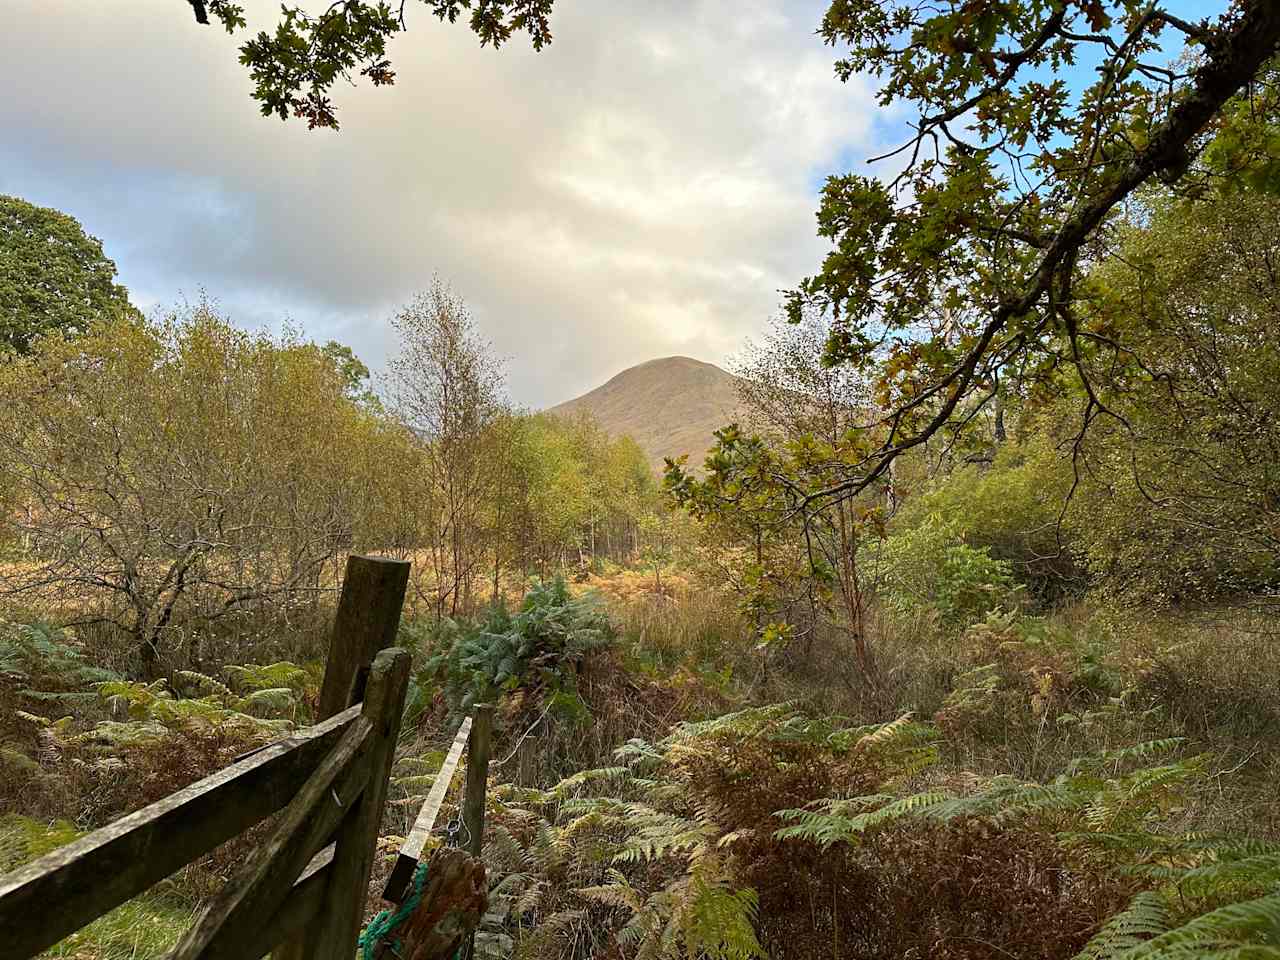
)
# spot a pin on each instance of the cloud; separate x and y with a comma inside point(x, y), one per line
point(643, 187)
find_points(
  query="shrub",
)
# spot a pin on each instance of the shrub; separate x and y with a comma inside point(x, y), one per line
point(674, 853)
point(682, 843)
point(1011, 508)
point(956, 890)
point(41, 662)
point(1137, 552)
point(929, 566)
point(541, 644)
point(1113, 817)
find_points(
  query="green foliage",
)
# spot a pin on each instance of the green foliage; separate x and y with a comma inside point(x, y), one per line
point(793, 568)
point(1108, 801)
point(23, 839)
point(1246, 930)
point(178, 471)
point(45, 664)
point(1041, 691)
point(1177, 501)
point(145, 928)
point(153, 709)
point(53, 276)
point(537, 646)
point(1172, 497)
point(294, 68)
point(1249, 930)
point(272, 676)
point(958, 273)
point(567, 486)
point(661, 846)
point(1244, 155)
point(1113, 809)
point(1145, 917)
point(1010, 508)
point(352, 372)
point(700, 918)
point(155, 713)
point(928, 567)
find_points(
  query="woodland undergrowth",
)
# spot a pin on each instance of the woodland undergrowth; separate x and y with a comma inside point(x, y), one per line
point(1042, 785)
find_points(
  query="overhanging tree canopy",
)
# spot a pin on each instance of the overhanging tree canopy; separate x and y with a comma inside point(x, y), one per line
point(960, 272)
point(295, 67)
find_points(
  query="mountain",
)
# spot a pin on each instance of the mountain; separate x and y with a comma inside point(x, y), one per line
point(669, 406)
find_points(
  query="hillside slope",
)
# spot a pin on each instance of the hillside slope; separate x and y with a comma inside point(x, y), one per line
point(669, 406)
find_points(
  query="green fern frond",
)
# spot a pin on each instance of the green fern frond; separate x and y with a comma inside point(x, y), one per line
point(277, 700)
point(572, 782)
point(206, 684)
point(719, 923)
point(885, 733)
point(741, 723)
point(530, 899)
point(1134, 753)
point(253, 676)
point(906, 807)
point(1006, 799)
point(1262, 871)
point(636, 751)
point(615, 892)
point(1238, 928)
point(656, 834)
point(43, 723)
point(829, 821)
point(1146, 916)
point(125, 733)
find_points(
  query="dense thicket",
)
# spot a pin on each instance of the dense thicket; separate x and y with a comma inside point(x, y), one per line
point(160, 478)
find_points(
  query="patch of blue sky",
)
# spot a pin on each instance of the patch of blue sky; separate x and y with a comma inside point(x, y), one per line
point(892, 123)
point(117, 204)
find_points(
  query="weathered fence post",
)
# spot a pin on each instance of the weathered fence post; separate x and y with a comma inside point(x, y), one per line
point(454, 898)
point(411, 852)
point(367, 621)
point(477, 785)
point(338, 922)
point(477, 778)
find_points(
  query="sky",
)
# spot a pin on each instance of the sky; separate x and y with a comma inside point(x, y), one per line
point(641, 188)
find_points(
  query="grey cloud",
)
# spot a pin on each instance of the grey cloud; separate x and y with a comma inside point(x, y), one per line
point(642, 187)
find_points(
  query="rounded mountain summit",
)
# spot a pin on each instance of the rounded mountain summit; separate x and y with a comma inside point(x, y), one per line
point(669, 406)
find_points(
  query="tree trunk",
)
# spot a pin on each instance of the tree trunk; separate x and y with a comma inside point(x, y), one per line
point(148, 656)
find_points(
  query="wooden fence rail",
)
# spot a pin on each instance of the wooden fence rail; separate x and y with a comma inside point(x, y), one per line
point(411, 852)
point(302, 891)
point(454, 895)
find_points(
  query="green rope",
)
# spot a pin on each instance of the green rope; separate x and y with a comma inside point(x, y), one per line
point(387, 921)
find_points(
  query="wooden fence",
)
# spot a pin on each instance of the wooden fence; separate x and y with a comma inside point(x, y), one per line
point(301, 893)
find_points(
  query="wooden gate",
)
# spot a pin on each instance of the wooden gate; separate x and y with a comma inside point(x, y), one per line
point(302, 891)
